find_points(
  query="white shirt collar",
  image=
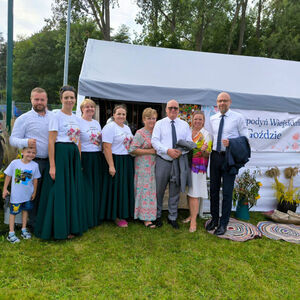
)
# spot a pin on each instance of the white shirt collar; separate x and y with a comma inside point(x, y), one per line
point(169, 120)
point(37, 114)
point(226, 114)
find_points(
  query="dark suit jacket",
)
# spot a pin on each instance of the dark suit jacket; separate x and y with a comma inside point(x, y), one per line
point(237, 154)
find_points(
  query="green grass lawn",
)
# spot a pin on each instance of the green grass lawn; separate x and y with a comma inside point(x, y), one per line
point(141, 263)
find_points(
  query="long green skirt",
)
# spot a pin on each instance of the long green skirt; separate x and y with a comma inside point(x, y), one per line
point(118, 191)
point(62, 209)
point(92, 168)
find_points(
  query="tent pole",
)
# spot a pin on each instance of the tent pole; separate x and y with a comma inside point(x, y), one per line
point(66, 66)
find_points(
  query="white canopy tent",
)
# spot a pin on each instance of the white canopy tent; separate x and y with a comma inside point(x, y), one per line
point(148, 74)
point(139, 73)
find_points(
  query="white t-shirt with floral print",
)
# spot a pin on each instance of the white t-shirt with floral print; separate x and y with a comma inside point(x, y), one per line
point(67, 127)
point(90, 136)
point(119, 137)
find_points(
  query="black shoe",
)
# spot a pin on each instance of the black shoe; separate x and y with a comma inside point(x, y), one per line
point(173, 223)
point(220, 230)
point(211, 225)
point(158, 222)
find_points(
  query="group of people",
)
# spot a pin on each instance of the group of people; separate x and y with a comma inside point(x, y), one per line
point(74, 175)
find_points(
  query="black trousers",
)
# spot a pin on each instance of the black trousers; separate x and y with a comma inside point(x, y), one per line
point(43, 164)
point(216, 174)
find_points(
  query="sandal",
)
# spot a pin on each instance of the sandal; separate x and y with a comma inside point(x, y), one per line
point(121, 223)
point(187, 220)
point(150, 225)
point(193, 227)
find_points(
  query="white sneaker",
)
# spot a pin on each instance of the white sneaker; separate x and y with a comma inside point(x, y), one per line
point(25, 234)
point(12, 238)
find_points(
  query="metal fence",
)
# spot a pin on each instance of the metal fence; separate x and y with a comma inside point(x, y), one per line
point(18, 109)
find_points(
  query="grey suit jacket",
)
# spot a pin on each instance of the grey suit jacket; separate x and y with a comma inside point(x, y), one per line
point(180, 171)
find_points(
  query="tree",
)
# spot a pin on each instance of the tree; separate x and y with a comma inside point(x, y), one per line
point(39, 59)
point(242, 26)
point(280, 29)
point(96, 10)
point(233, 24)
point(181, 23)
point(35, 64)
point(258, 20)
point(122, 35)
point(206, 16)
point(162, 22)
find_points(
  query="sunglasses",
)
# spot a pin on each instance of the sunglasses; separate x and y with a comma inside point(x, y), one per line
point(173, 107)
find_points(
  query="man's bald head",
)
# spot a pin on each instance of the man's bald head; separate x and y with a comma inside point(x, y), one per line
point(223, 102)
point(172, 109)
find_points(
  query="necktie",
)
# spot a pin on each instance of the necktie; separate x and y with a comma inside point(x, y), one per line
point(221, 125)
point(174, 137)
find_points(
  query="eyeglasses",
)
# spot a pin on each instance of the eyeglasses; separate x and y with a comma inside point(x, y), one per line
point(173, 107)
point(223, 100)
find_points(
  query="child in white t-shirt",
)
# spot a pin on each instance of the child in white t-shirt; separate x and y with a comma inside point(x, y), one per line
point(24, 174)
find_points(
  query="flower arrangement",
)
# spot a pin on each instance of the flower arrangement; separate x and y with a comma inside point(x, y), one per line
point(246, 188)
point(283, 193)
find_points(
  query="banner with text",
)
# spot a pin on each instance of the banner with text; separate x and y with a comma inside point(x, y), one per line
point(268, 131)
point(272, 131)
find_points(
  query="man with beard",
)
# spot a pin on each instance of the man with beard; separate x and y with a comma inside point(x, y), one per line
point(31, 130)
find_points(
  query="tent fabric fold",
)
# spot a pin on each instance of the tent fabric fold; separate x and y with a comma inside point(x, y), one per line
point(137, 73)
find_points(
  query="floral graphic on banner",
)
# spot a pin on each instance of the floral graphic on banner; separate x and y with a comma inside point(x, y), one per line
point(296, 141)
point(186, 111)
point(96, 138)
point(74, 135)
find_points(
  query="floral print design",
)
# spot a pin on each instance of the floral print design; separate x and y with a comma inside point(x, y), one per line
point(144, 178)
point(127, 142)
point(74, 134)
point(96, 138)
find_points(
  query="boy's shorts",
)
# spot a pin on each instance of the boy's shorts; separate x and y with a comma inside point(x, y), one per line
point(16, 208)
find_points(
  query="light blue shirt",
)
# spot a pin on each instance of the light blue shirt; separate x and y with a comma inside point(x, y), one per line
point(162, 135)
point(32, 125)
point(234, 126)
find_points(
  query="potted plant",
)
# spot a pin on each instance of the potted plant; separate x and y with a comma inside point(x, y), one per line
point(245, 193)
point(287, 196)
